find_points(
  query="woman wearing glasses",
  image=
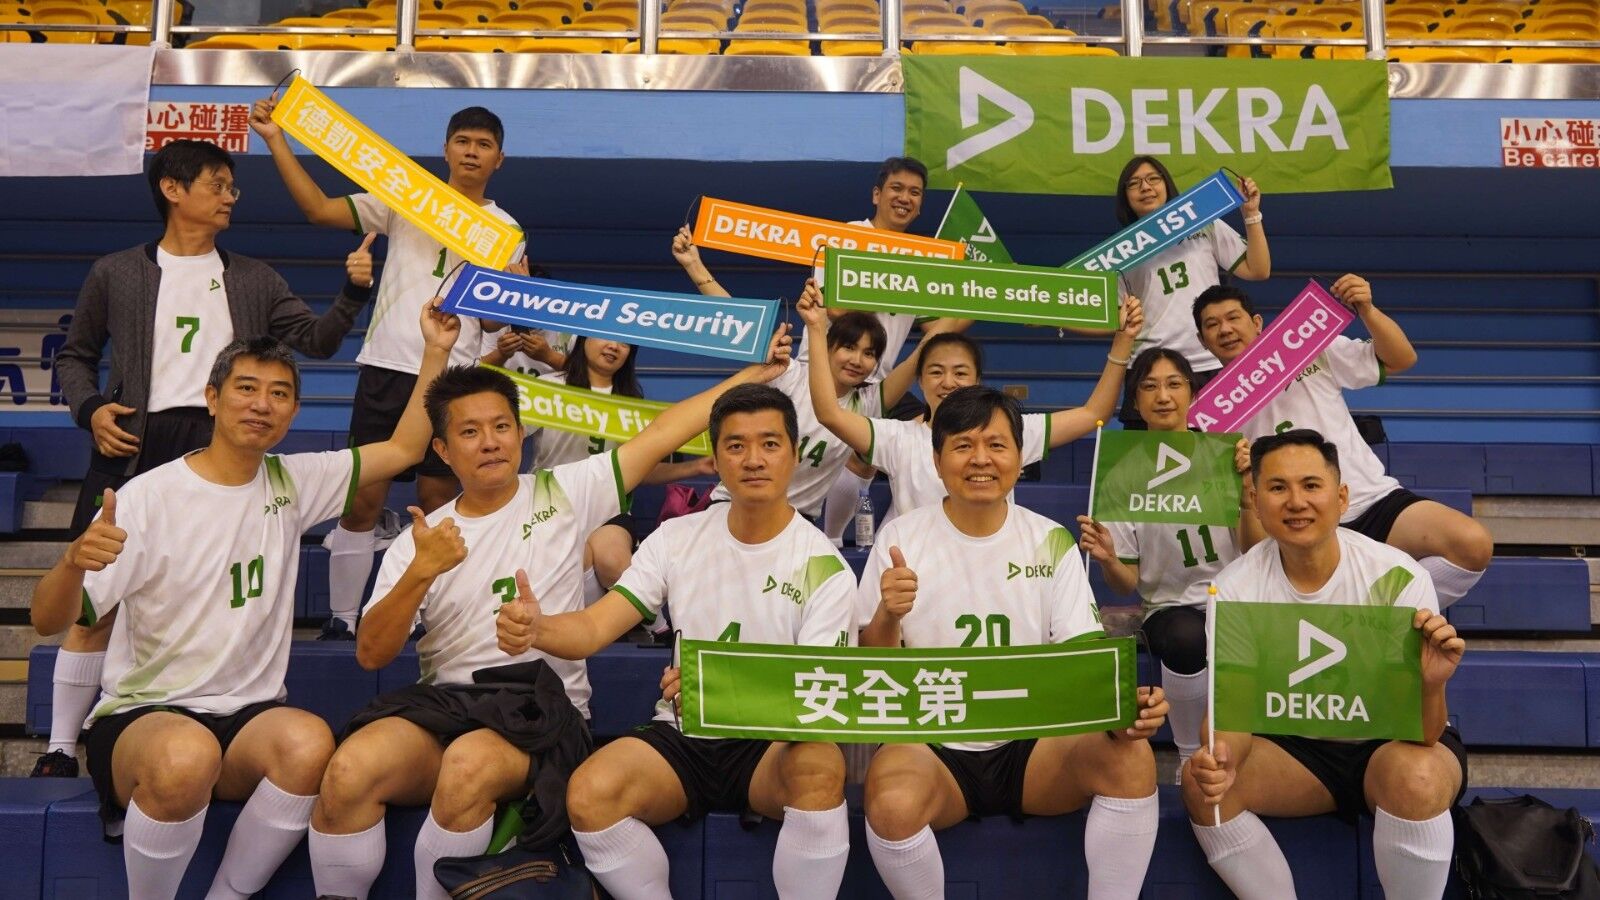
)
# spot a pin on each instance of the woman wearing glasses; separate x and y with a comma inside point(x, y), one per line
point(1169, 281)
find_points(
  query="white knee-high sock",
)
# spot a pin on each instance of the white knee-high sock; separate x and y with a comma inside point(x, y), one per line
point(157, 853)
point(435, 843)
point(346, 865)
point(1450, 581)
point(1246, 858)
point(1117, 842)
point(911, 869)
point(1413, 858)
point(592, 590)
point(269, 827)
point(813, 848)
point(839, 510)
point(73, 689)
point(349, 563)
point(1187, 696)
point(627, 860)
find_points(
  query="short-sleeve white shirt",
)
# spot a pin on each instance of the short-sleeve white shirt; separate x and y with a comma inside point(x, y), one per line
point(1169, 283)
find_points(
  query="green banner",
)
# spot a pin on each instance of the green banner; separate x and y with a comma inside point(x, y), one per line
point(906, 695)
point(1034, 295)
point(964, 221)
point(1287, 668)
point(548, 404)
point(1067, 126)
point(1177, 477)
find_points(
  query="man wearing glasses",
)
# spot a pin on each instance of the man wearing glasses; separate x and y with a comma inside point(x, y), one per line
point(169, 307)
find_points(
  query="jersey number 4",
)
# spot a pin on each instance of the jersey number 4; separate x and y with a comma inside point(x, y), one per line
point(247, 580)
point(814, 453)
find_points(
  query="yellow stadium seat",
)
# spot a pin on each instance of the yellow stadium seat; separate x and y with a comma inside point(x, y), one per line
point(850, 25)
point(934, 7)
point(851, 48)
point(605, 21)
point(1300, 28)
point(1475, 30)
point(241, 42)
point(527, 20)
point(14, 13)
point(70, 14)
point(1408, 26)
point(363, 18)
point(437, 18)
point(767, 48)
point(1427, 11)
point(703, 20)
point(380, 4)
point(1443, 54)
point(561, 10)
point(569, 45)
point(768, 21)
point(679, 47)
point(368, 43)
point(1487, 12)
point(1034, 49)
point(1008, 24)
point(463, 44)
point(854, 7)
point(1545, 31)
point(1347, 19)
point(307, 22)
point(474, 10)
point(1574, 55)
point(953, 48)
point(926, 22)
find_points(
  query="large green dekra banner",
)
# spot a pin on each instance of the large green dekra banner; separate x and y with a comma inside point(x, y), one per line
point(1057, 125)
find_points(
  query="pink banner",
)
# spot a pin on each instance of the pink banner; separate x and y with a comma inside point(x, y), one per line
point(1271, 363)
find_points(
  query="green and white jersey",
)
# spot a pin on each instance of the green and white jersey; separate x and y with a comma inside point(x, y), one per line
point(1024, 585)
point(413, 269)
point(1316, 400)
point(793, 589)
point(1169, 283)
point(192, 325)
point(904, 451)
point(896, 328)
point(554, 447)
point(542, 530)
point(822, 454)
point(522, 362)
point(205, 582)
point(1177, 563)
point(1368, 573)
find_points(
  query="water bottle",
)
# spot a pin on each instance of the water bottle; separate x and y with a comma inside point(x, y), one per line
point(864, 519)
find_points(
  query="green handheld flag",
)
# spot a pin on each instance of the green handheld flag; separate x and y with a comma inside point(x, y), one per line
point(1176, 477)
point(964, 221)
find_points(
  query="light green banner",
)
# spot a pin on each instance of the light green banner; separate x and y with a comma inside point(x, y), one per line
point(1318, 670)
point(547, 404)
point(964, 221)
point(904, 695)
point(1177, 477)
point(1067, 126)
point(1035, 295)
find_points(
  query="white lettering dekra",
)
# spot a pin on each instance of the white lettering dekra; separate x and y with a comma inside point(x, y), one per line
point(1165, 503)
point(1150, 115)
point(1324, 707)
point(1081, 142)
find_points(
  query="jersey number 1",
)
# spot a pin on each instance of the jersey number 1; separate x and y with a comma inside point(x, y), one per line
point(247, 580)
point(1189, 561)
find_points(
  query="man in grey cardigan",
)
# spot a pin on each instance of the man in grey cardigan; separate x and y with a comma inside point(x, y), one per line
point(167, 308)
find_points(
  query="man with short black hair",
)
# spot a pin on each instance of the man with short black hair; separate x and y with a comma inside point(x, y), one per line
point(1408, 787)
point(1453, 547)
point(167, 307)
point(717, 570)
point(965, 548)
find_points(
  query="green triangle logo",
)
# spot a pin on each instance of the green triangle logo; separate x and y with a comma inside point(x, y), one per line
point(771, 584)
point(215, 284)
point(1012, 570)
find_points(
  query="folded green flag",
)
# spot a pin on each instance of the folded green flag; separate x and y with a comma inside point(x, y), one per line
point(964, 221)
point(1177, 477)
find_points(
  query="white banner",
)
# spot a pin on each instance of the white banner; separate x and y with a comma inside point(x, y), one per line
point(73, 109)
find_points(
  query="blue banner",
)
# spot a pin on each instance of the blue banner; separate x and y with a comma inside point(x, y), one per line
point(1187, 213)
point(688, 323)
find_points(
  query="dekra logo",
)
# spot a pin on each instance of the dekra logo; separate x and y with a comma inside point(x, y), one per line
point(1337, 707)
point(539, 515)
point(784, 588)
point(1037, 570)
point(1169, 465)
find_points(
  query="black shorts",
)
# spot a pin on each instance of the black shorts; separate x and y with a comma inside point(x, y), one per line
point(715, 773)
point(1129, 416)
point(626, 522)
point(1378, 520)
point(380, 400)
point(990, 780)
point(168, 434)
point(101, 742)
point(1342, 767)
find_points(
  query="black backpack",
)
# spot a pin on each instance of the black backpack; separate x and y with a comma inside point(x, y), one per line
point(1522, 847)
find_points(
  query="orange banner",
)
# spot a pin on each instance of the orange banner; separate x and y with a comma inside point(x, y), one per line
point(786, 237)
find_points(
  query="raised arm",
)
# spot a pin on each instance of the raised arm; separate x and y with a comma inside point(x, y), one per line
point(897, 596)
point(1097, 541)
point(850, 426)
point(1067, 425)
point(319, 208)
point(688, 256)
point(405, 448)
point(316, 336)
point(1257, 264)
point(521, 626)
point(1389, 340)
point(58, 597)
point(1249, 533)
point(387, 623)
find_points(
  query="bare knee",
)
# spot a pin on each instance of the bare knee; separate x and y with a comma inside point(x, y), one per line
point(470, 784)
point(813, 776)
point(611, 552)
point(301, 756)
point(175, 781)
point(596, 795)
point(349, 782)
point(1412, 782)
point(365, 507)
point(897, 804)
point(1125, 769)
point(1471, 547)
point(434, 491)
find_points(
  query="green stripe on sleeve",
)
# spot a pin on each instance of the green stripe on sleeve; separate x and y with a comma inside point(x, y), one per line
point(624, 499)
point(1128, 560)
point(872, 441)
point(1238, 261)
point(88, 618)
point(1383, 373)
point(1046, 454)
point(644, 611)
point(355, 214)
point(355, 481)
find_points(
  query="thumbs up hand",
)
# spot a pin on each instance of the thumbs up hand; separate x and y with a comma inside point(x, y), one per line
point(101, 543)
point(440, 548)
point(517, 627)
point(358, 265)
point(897, 588)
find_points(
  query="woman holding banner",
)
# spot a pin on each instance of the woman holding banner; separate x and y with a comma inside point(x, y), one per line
point(1170, 280)
point(1171, 565)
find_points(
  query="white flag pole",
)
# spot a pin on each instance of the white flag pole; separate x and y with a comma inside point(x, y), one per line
point(950, 208)
point(1211, 685)
point(1094, 468)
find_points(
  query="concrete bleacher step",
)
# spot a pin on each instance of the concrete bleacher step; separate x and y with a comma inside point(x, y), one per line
point(1547, 521)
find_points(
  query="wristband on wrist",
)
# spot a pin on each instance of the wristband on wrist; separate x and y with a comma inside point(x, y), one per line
point(1116, 362)
point(1253, 220)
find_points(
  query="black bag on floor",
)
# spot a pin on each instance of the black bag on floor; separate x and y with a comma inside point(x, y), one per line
point(1522, 847)
point(516, 874)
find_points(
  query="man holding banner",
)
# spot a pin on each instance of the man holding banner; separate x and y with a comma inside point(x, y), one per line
point(1452, 547)
point(414, 269)
point(453, 568)
point(750, 570)
point(1356, 722)
point(1000, 576)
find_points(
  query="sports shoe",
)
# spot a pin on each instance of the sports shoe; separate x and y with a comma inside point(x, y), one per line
point(336, 630)
point(55, 764)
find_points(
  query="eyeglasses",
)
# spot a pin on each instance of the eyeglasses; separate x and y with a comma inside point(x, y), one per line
point(223, 187)
point(1151, 180)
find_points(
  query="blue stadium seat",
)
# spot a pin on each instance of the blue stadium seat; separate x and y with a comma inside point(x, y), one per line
point(15, 489)
point(1547, 690)
point(1458, 466)
point(24, 803)
point(1526, 594)
point(1548, 469)
point(325, 679)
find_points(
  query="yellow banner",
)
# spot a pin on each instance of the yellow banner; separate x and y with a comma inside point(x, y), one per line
point(786, 237)
point(405, 187)
point(550, 404)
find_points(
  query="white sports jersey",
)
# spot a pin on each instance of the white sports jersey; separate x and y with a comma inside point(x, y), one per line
point(1177, 563)
point(793, 589)
point(904, 451)
point(896, 328)
point(522, 362)
point(822, 455)
point(412, 271)
point(193, 324)
point(1316, 401)
point(555, 447)
point(1024, 585)
point(1369, 573)
point(542, 530)
point(1170, 281)
point(205, 582)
